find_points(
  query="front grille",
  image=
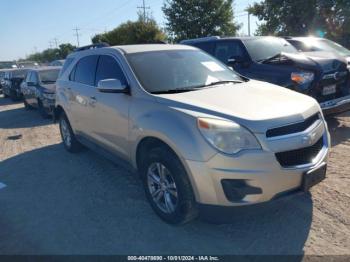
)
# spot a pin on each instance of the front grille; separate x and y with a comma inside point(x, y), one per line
point(300, 156)
point(342, 86)
point(293, 128)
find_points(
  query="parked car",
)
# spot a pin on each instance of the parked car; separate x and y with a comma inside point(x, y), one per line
point(27, 64)
point(324, 76)
point(315, 44)
point(197, 132)
point(39, 89)
point(2, 81)
point(7, 65)
point(12, 83)
point(57, 63)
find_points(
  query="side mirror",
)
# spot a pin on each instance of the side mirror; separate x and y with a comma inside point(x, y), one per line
point(235, 59)
point(112, 86)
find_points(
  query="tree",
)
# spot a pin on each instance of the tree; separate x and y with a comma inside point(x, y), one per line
point(199, 18)
point(299, 18)
point(139, 32)
point(51, 54)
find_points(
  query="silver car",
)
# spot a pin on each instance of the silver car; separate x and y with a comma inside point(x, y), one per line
point(197, 132)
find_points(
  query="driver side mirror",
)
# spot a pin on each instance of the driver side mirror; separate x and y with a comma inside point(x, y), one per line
point(235, 59)
point(112, 86)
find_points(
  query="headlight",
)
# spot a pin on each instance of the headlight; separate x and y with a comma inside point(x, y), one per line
point(49, 96)
point(302, 77)
point(227, 136)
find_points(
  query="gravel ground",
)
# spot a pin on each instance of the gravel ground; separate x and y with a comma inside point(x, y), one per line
point(53, 202)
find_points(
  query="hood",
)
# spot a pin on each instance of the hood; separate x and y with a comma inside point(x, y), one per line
point(49, 88)
point(325, 61)
point(254, 104)
point(328, 61)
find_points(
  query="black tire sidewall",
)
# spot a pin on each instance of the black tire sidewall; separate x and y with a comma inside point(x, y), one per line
point(186, 206)
point(75, 145)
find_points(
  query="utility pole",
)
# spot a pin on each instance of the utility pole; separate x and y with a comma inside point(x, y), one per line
point(248, 23)
point(50, 44)
point(77, 34)
point(56, 42)
point(144, 7)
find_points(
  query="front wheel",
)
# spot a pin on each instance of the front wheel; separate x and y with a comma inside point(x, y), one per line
point(68, 137)
point(167, 187)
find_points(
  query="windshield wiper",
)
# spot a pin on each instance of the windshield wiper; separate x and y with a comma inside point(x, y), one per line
point(269, 58)
point(223, 82)
point(176, 90)
point(195, 88)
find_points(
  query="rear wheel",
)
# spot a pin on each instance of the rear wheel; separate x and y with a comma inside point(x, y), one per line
point(69, 140)
point(26, 105)
point(167, 186)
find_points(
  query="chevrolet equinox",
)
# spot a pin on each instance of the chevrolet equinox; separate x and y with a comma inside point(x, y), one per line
point(197, 132)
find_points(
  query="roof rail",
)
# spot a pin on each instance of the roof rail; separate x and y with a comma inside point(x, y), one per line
point(88, 47)
point(201, 39)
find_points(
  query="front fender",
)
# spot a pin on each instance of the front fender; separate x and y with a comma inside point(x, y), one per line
point(175, 128)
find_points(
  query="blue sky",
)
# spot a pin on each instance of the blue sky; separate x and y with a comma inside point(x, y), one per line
point(27, 26)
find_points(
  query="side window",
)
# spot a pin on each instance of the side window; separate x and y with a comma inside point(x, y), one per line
point(108, 68)
point(85, 70)
point(226, 50)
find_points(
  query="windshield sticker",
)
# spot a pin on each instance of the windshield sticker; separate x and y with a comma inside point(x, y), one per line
point(212, 66)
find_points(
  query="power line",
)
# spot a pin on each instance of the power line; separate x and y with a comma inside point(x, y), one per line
point(77, 34)
point(144, 7)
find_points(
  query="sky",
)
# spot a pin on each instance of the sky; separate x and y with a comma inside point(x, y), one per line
point(35, 25)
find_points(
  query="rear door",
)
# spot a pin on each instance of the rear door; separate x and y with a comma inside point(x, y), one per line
point(111, 111)
point(82, 95)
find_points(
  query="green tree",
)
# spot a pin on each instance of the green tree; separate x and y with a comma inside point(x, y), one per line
point(329, 18)
point(199, 18)
point(51, 54)
point(139, 32)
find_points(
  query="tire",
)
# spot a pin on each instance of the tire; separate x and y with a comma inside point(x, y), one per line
point(42, 110)
point(176, 204)
point(26, 105)
point(70, 142)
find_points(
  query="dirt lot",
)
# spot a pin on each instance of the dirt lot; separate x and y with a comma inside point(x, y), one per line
point(52, 202)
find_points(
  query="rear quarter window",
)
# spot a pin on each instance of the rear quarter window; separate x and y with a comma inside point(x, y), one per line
point(67, 63)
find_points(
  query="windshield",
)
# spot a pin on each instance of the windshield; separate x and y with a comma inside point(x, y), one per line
point(49, 76)
point(326, 45)
point(267, 47)
point(162, 71)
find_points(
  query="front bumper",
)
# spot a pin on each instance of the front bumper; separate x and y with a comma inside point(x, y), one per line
point(259, 170)
point(336, 106)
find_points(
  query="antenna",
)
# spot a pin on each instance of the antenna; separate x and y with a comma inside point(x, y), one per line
point(77, 34)
point(144, 7)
